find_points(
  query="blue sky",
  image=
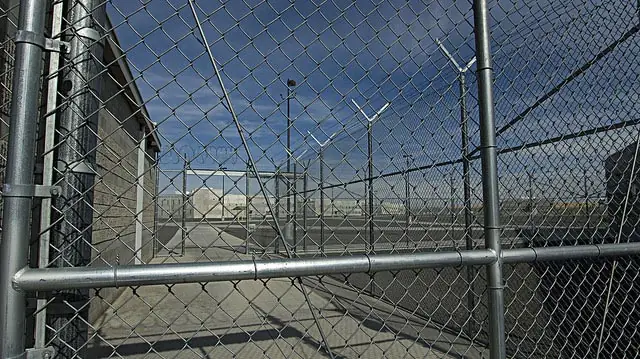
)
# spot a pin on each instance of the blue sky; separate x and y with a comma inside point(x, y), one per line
point(376, 53)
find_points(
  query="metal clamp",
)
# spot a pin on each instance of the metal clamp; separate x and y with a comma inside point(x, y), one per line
point(29, 190)
point(30, 37)
point(40, 353)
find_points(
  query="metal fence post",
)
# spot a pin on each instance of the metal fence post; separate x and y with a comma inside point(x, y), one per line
point(142, 151)
point(305, 204)
point(370, 186)
point(468, 216)
point(19, 172)
point(276, 217)
point(156, 208)
point(76, 165)
point(247, 205)
point(48, 172)
point(495, 284)
point(185, 199)
point(295, 205)
point(321, 200)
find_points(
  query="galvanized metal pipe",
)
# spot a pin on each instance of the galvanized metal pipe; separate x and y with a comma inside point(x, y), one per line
point(48, 170)
point(19, 171)
point(489, 160)
point(76, 163)
point(48, 279)
point(185, 199)
point(370, 185)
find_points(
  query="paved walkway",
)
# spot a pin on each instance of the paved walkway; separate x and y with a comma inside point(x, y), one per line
point(252, 319)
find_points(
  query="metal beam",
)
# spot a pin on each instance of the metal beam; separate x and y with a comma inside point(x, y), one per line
point(48, 279)
point(14, 247)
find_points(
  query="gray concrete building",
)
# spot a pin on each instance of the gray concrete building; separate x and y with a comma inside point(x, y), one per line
point(125, 183)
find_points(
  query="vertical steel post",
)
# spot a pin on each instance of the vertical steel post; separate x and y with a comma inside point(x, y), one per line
point(76, 165)
point(321, 200)
point(531, 204)
point(370, 185)
point(452, 209)
point(276, 217)
point(407, 194)
point(295, 206)
point(142, 151)
point(466, 171)
point(185, 200)
point(19, 171)
point(48, 171)
point(156, 207)
point(495, 286)
point(305, 204)
point(224, 174)
point(247, 206)
point(468, 216)
point(288, 216)
point(586, 201)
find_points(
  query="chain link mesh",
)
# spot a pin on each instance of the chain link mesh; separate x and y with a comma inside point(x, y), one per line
point(362, 124)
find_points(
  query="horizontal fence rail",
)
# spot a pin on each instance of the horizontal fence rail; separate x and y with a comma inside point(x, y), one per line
point(174, 273)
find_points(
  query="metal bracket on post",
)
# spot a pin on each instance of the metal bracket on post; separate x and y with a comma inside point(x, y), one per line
point(40, 353)
point(30, 191)
point(57, 46)
point(76, 167)
point(41, 41)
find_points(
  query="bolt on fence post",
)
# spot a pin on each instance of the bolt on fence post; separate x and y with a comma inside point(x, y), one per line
point(495, 285)
point(76, 164)
point(19, 171)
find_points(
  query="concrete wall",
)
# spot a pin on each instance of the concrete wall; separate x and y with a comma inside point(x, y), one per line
point(115, 190)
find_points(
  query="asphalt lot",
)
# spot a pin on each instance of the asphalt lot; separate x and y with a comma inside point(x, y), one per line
point(352, 234)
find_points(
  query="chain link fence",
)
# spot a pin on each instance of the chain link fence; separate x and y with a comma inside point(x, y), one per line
point(319, 179)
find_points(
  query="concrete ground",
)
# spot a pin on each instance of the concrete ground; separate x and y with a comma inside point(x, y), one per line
point(250, 319)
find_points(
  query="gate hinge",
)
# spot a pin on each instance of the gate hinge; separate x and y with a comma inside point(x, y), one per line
point(29, 190)
point(40, 353)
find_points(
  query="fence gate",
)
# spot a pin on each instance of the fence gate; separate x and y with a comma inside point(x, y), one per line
point(308, 179)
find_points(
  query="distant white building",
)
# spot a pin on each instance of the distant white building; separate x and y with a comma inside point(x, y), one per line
point(208, 203)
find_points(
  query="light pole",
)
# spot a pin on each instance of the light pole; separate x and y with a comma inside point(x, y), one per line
point(370, 166)
point(321, 158)
point(464, 131)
